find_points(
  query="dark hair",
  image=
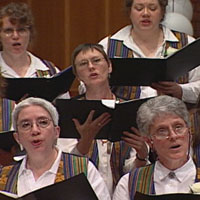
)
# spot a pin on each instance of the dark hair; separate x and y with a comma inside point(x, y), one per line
point(163, 4)
point(18, 14)
point(84, 48)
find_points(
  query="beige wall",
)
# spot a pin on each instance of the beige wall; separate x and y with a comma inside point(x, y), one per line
point(63, 24)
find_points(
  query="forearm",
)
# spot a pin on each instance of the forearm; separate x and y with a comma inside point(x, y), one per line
point(84, 145)
point(191, 91)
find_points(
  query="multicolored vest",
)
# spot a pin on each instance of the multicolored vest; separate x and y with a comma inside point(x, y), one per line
point(120, 152)
point(141, 180)
point(69, 166)
point(7, 105)
point(196, 158)
point(116, 48)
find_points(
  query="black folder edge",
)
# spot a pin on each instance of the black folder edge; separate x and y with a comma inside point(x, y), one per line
point(7, 140)
point(74, 188)
point(123, 120)
point(175, 196)
point(47, 88)
point(145, 71)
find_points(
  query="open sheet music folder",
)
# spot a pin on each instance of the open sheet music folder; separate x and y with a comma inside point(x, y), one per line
point(145, 71)
point(74, 188)
point(7, 140)
point(47, 88)
point(177, 196)
point(123, 116)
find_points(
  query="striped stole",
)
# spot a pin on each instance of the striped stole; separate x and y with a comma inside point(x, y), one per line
point(141, 180)
point(8, 105)
point(51, 71)
point(116, 48)
point(183, 41)
point(120, 152)
point(196, 158)
point(69, 166)
point(8, 178)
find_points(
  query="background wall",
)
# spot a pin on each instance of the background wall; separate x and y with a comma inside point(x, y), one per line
point(196, 17)
point(63, 24)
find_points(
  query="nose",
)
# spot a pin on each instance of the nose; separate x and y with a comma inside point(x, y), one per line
point(90, 65)
point(15, 34)
point(35, 130)
point(172, 134)
point(146, 11)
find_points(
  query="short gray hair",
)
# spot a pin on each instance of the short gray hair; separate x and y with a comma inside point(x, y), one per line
point(159, 106)
point(38, 102)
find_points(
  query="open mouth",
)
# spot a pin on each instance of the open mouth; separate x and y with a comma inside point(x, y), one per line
point(146, 21)
point(93, 75)
point(16, 44)
point(175, 146)
point(36, 142)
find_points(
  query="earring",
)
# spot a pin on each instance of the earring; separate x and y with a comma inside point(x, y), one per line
point(21, 147)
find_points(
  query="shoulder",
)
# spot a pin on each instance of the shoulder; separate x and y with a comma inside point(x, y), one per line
point(119, 35)
point(70, 155)
point(42, 64)
point(176, 36)
point(6, 170)
point(121, 191)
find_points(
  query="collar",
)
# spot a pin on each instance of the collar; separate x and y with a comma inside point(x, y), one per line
point(125, 35)
point(35, 65)
point(53, 169)
point(161, 172)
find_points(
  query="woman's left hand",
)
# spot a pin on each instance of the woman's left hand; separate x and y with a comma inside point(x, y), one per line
point(168, 88)
point(137, 142)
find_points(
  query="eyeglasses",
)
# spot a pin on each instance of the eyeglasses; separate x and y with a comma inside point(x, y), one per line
point(94, 61)
point(28, 125)
point(22, 31)
point(164, 133)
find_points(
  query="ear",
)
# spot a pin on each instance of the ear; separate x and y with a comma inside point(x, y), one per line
point(149, 141)
point(109, 67)
point(16, 136)
point(57, 131)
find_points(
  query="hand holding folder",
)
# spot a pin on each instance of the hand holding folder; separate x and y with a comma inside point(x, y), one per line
point(145, 71)
point(47, 88)
point(123, 116)
point(74, 188)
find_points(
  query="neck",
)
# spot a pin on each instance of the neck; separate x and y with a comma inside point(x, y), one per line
point(38, 164)
point(19, 63)
point(98, 93)
point(173, 165)
point(145, 35)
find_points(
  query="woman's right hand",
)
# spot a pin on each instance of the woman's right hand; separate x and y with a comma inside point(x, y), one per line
point(89, 129)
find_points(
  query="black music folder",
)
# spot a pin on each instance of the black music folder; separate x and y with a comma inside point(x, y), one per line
point(145, 71)
point(176, 196)
point(7, 140)
point(74, 188)
point(47, 88)
point(123, 116)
